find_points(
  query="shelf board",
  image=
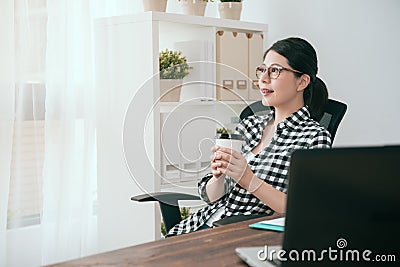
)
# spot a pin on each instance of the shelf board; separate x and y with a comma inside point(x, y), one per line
point(166, 107)
point(220, 24)
point(237, 102)
point(207, 102)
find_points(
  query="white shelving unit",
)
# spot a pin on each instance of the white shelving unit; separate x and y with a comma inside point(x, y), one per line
point(129, 124)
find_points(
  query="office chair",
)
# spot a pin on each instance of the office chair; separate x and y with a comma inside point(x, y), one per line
point(333, 115)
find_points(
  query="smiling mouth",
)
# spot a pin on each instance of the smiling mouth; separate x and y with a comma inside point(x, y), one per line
point(266, 91)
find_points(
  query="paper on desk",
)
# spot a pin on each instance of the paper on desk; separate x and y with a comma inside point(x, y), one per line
point(278, 221)
point(274, 224)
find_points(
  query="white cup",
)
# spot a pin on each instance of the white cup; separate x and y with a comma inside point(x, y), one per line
point(232, 141)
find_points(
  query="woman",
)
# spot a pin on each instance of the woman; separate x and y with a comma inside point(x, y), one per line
point(254, 180)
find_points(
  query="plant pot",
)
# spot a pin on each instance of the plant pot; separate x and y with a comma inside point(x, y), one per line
point(155, 5)
point(230, 10)
point(193, 7)
point(170, 90)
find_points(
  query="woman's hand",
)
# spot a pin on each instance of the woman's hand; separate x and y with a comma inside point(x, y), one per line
point(215, 186)
point(232, 163)
point(214, 164)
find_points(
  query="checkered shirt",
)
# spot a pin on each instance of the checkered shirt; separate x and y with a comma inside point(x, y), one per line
point(298, 131)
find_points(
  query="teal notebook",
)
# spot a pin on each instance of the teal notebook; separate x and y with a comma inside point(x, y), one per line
point(273, 225)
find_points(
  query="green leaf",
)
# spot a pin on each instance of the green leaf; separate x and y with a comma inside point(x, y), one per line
point(173, 65)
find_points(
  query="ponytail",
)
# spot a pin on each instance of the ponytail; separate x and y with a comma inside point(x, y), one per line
point(315, 97)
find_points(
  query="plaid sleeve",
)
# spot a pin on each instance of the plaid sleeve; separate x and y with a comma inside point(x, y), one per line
point(322, 139)
point(202, 187)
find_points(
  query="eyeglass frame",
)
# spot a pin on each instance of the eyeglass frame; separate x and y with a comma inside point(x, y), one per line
point(264, 70)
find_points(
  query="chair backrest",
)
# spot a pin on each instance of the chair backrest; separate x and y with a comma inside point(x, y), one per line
point(333, 114)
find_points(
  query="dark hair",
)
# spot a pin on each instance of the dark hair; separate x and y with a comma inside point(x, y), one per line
point(301, 56)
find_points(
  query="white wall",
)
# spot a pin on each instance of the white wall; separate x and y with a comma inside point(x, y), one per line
point(358, 45)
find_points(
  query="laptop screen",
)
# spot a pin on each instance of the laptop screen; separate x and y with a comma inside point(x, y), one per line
point(343, 207)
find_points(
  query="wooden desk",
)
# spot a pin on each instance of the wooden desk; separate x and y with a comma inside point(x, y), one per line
point(211, 247)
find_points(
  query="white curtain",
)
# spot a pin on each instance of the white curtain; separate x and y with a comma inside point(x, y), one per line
point(68, 222)
point(47, 128)
point(69, 174)
point(6, 114)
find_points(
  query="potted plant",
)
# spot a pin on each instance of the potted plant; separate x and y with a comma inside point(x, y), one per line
point(185, 213)
point(225, 138)
point(230, 9)
point(194, 7)
point(155, 5)
point(173, 68)
point(223, 130)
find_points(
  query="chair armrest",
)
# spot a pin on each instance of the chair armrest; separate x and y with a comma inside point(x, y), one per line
point(170, 198)
point(168, 204)
point(237, 218)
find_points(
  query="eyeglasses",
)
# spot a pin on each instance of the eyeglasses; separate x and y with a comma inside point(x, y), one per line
point(273, 71)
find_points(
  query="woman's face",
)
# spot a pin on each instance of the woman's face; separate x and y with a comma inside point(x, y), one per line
point(284, 90)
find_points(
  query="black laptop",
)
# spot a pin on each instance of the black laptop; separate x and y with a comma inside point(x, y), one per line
point(343, 209)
